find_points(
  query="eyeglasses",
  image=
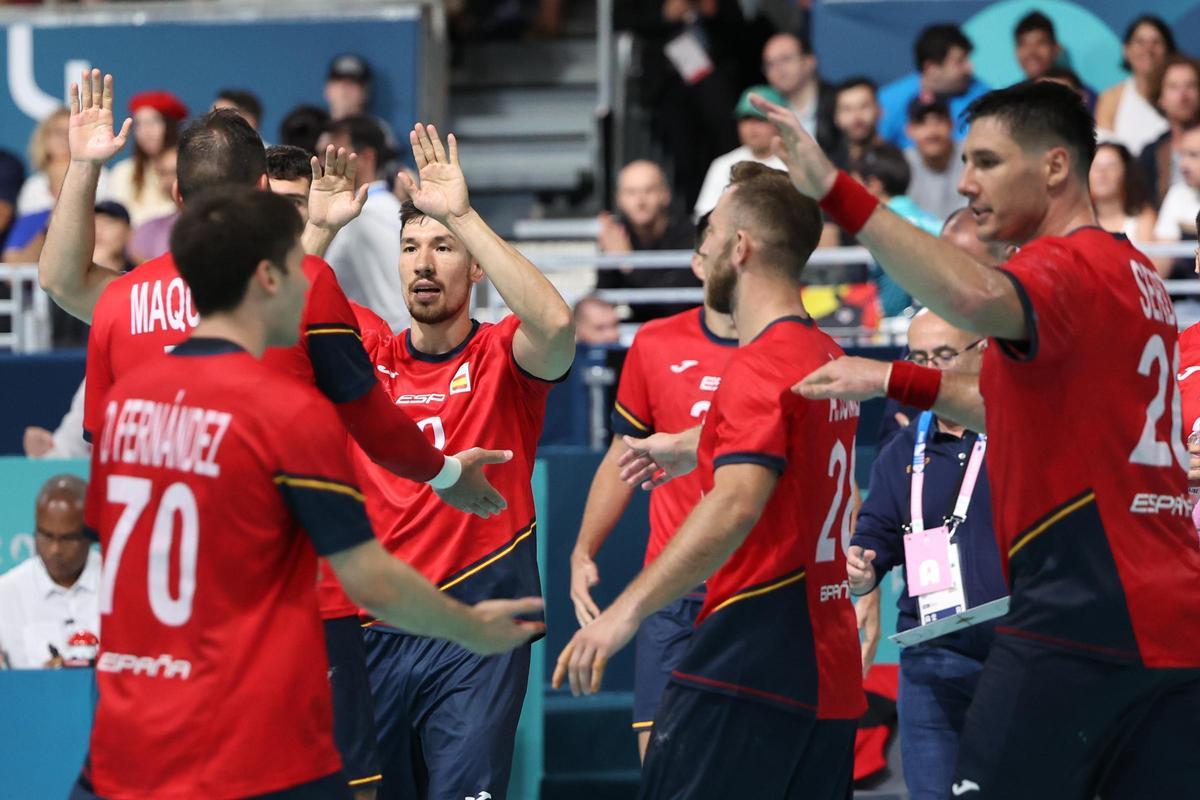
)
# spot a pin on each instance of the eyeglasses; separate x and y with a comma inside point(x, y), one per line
point(60, 538)
point(941, 356)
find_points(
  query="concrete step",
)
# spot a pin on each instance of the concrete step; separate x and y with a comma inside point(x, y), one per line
point(560, 164)
point(552, 62)
point(523, 112)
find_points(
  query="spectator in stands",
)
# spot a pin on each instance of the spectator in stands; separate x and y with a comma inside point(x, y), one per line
point(943, 58)
point(1070, 79)
point(302, 126)
point(791, 69)
point(242, 101)
point(12, 176)
point(1177, 215)
point(113, 232)
point(1177, 94)
point(366, 253)
point(348, 86)
point(595, 321)
point(48, 154)
point(644, 221)
point(1126, 111)
point(290, 174)
point(65, 441)
point(856, 116)
point(935, 159)
point(153, 237)
point(134, 184)
point(886, 174)
point(1119, 194)
point(755, 134)
point(1036, 45)
point(939, 677)
point(51, 597)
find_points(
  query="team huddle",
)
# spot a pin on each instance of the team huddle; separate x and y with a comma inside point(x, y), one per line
point(304, 595)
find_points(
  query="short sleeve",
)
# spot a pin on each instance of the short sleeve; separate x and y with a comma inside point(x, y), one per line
point(98, 377)
point(316, 479)
point(754, 419)
point(631, 414)
point(1055, 290)
point(340, 364)
point(506, 331)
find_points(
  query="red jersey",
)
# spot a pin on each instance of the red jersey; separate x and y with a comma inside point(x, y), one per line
point(1086, 457)
point(147, 311)
point(671, 372)
point(1189, 379)
point(474, 395)
point(211, 674)
point(777, 624)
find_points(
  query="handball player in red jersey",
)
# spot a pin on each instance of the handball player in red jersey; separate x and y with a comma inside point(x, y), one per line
point(1092, 687)
point(216, 481)
point(447, 718)
point(766, 700)
point(138, 316)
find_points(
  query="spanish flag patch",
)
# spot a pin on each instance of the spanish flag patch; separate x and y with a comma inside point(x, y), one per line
point(461, 382)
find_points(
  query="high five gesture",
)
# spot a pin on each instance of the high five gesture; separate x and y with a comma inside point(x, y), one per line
point(91, 134)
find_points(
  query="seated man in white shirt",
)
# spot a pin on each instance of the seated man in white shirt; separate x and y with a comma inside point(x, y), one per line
point(48, 604)
point(755, 133)
point(1177, 215)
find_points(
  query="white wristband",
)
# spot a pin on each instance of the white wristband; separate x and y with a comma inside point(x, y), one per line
point(448, 476)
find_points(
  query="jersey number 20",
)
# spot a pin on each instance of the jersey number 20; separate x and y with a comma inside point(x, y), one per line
point(1150, 450)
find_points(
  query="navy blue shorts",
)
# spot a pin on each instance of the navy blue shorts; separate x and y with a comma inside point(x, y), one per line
point(331, 787)
point(353, 710)
point(1046, 722)
point(662, 641)
point(707, 745)
point(446, 718)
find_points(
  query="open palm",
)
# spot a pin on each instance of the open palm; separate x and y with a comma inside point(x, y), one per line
point(332, 199)
point(442, 192)
point(90, 133)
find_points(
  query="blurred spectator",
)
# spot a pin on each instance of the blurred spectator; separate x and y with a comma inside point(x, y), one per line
point(755, 134)
point(1119, 193)
point(156, 118)
point(113, 230)
point(48, 153)
point(153, 237)
point(1070, 79)
point(242, 101)
point(791, 69)
point(302, 126)
point(595, 321)
point(856, 115)
point(1177, 94)
point(1037, 47)
point(366, 253)
point(1126, 111)
point(25, 238)
point(49, 599)
point(935, 159)
point(289, 171)
point(644, 221)
point(348, 86)
point(1177, 215)
point(65, 441)
point(12, 175)
point(943, 59)
point(886, 174)
point(691, 69)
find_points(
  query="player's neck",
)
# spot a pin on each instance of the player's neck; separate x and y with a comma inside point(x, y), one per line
point(250, 334)
point(761, 299)
point(1068, 215)
point(441, 337)
point(719, 324)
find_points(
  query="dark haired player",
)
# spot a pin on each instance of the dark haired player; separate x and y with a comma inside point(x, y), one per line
point(211, 513)
point(138, 316)
point(766, 700)
point(667, 383)
point(447, 719)
point(1092, 686)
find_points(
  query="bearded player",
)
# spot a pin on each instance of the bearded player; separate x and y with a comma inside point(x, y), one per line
point(1093, 684)
point(446, 717)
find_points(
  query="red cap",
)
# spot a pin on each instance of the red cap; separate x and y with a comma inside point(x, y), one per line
point(163, 102)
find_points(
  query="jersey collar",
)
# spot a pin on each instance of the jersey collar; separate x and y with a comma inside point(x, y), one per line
point(721, 340)
point(807, 321)
point(437, 358)
point(207, 346)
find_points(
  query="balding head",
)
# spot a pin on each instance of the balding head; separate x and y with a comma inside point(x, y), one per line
point(940, 344)
point(643, 196)
point(962, 231)
point(58, 517)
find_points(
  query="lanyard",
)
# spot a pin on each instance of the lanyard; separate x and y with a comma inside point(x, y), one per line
point(916, 496)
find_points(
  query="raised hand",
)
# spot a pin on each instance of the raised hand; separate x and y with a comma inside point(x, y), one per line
point(90, 133)
point(847, 378)
point(653, 461)
point(811, 171)
point(472, 492)
point(442, 191)
point(332, 200)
